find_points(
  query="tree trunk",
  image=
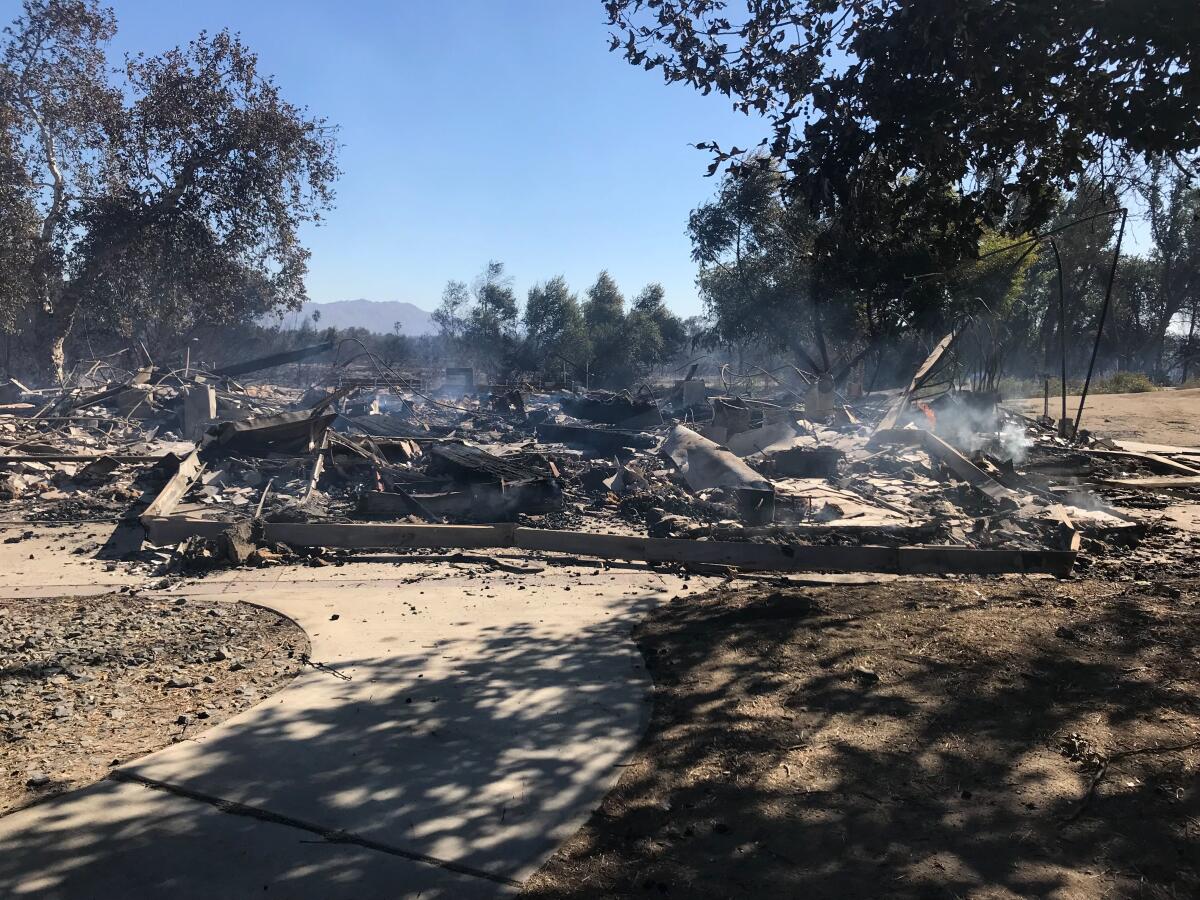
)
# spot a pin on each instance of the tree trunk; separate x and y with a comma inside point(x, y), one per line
point(58, 357)
point(53, 320)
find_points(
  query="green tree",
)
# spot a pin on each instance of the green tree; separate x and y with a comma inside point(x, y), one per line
point(173, 198)
point(1085, 250)
point(604, 309)
point(450, 316)
point(19, 227)
point(479, 323)
point(1173, 210)
point(491, 324)
point(975, 114)
point(56, 105)
point(754, 262)
point(604, 315)
point(555, 333)
point(651, 302)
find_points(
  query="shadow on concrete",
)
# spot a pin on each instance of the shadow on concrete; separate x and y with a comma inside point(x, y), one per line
point(482, 753)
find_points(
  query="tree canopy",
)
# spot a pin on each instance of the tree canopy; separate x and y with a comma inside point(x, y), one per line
point(555, 331)
point(598, 342)
point(976, 113)
point(167, 199)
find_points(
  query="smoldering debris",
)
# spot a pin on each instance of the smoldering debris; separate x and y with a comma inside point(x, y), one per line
point(963, 483)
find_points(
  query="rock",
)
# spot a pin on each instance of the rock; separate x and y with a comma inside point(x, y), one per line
point(183, 719)
point(61, 711)
point(864, 675)
point(37, 779)
point(829, 513)
point(238, 543)
point(181, 681)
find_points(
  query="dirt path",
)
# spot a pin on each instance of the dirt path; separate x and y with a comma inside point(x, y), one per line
point(1156, 417)
point(991, 740)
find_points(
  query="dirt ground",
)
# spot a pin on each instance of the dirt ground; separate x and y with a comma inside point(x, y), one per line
point(953, 739)
point(86, 683)
point(1158, 417)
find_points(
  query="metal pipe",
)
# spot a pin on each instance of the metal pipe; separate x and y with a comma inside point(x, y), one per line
point(1112, 276)
point(1062, 328)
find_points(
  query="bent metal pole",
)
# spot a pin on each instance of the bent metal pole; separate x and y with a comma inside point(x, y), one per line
point(1112, 275)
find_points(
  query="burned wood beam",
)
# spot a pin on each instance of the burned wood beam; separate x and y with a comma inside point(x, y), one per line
point(760, 557)
point(480, 502)
point(290, 431)
point(805, 462)
point(800, 558)
point(318, 467)
point(1167, 482)
point(602, 441)
point(475, 464)
point(964, 469)
point(177, 485)
point(920, 377)
point(948, 456)
point(142, 376)
point(613, 409)
point(1068, 536)
point(275, 359)
point(84, 457)
point(1151, 460)
point(172, 529)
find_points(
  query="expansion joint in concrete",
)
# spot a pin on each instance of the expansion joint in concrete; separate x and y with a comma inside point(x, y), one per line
point(331, 836)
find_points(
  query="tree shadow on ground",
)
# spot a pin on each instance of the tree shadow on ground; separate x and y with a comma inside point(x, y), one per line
point(470, 757)
point(896, 741)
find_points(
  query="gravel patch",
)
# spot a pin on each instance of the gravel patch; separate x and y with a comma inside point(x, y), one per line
point(87, 683)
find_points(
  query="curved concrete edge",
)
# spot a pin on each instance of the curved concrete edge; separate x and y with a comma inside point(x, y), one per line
point(456, 722)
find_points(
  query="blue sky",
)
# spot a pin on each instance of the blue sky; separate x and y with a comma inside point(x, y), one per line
point(477, 130)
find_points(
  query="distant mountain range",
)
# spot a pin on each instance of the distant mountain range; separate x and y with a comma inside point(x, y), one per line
point(379, 316)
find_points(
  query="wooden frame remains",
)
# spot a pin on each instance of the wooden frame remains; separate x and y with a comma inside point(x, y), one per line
point(162, 527)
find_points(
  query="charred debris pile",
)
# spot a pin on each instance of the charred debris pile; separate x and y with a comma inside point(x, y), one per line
point(928, 479)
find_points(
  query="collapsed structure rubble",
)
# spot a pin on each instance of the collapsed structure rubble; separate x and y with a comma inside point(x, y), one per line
point(919, 480)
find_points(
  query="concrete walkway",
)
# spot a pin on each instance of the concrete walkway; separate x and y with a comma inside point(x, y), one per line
point(457, 725)
point(60, 560)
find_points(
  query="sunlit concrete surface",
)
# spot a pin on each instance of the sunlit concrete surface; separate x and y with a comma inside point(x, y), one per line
point(456, 722)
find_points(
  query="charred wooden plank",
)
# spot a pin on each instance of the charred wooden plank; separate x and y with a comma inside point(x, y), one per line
point(275, 359)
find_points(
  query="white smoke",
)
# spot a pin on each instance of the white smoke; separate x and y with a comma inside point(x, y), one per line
point(1015, 442)
point(973, 428)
